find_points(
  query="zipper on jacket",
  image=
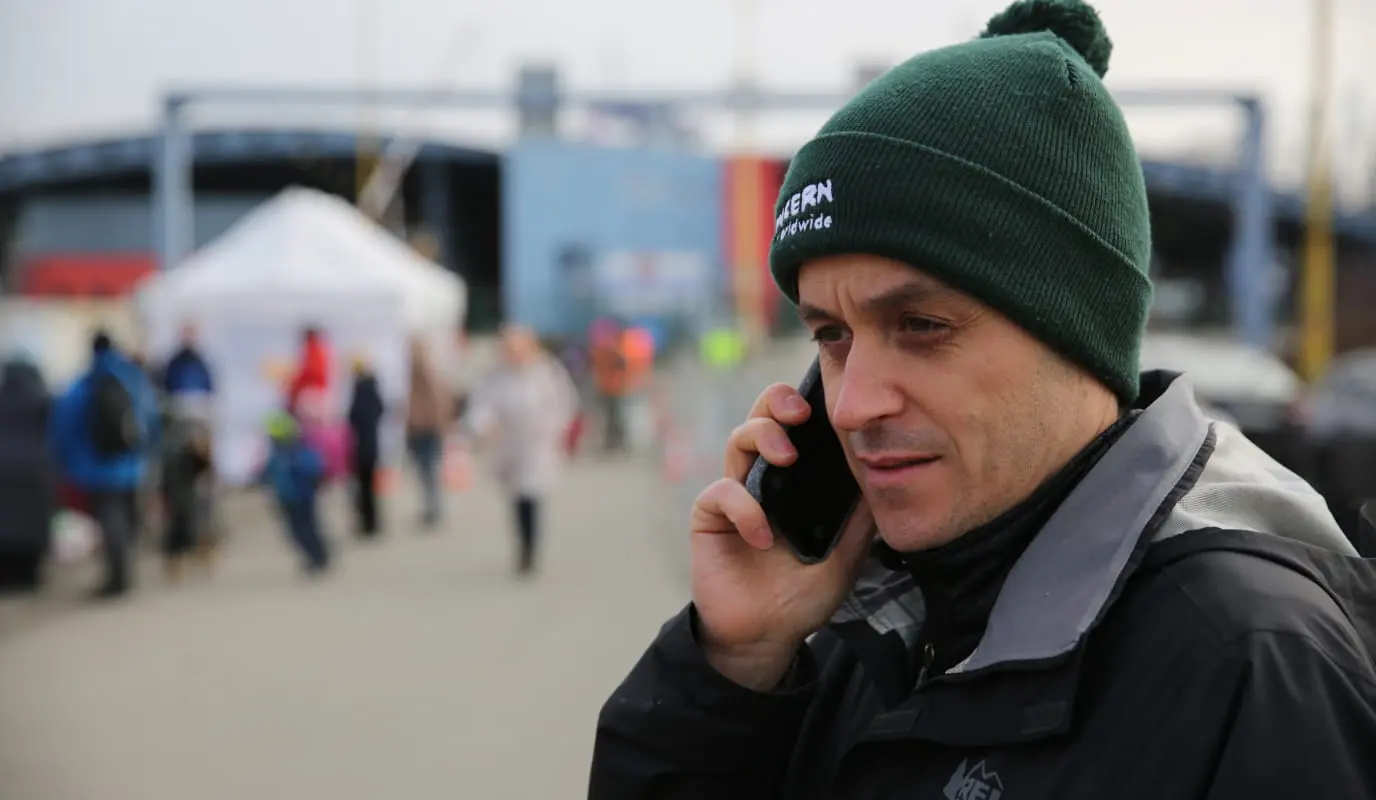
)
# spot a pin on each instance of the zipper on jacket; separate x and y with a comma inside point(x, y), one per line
point(928, 656)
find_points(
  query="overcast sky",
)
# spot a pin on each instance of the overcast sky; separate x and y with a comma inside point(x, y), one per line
point(73, 69)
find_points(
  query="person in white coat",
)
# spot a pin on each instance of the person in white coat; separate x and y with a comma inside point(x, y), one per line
point(523, 410)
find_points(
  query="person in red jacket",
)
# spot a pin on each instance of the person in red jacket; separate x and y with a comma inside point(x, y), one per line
point(313, 371)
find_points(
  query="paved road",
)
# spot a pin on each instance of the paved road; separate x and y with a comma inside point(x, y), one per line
point(422, 669)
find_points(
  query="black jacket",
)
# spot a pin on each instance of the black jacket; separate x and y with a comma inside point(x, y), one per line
point(28, 478)
point(1190, 623)
point(366, 410)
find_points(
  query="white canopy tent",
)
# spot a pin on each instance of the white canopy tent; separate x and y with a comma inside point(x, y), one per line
point(301, 244)
point(302, 258)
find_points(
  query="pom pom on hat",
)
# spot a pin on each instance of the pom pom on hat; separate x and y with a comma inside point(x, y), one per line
point(1075, 22)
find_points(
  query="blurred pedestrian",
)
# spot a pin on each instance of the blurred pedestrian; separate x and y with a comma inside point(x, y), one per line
point(427, 414)
point(100, 429)
point(145, 510)
point(186, 477)
point(186, 466)
point(524, 408)
point(310, 380)
point(622, 357)
point(28, 483)
point(366, 410)
point(187, 373)
point(295, 471)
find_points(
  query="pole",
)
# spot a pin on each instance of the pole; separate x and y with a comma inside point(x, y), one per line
point(1316, 344)
point(379, 184)
point(1251, 257)
point(366, 25)
point(173, 197)
point(745, 72)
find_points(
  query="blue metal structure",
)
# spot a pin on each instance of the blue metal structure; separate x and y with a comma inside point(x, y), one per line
point(172, 151)
point(1249, 262)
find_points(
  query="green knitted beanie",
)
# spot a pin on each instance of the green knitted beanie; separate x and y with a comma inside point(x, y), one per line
point(1002, 167)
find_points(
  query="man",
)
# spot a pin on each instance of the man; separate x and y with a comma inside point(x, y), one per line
point(99, 429)
point(622, 359)
point(186, 372)
point(1081, 587)
point(610, 379)
point(183, 466)
point(427, 415)
point(187, 460)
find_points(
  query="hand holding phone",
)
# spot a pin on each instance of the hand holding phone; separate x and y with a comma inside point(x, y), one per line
point(809, 500)
point(756, 603)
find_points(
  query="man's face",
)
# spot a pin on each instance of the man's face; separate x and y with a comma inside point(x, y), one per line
point(188, 335)
point(948, 412)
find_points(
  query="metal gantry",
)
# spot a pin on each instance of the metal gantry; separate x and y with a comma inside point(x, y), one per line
point(1250, 260)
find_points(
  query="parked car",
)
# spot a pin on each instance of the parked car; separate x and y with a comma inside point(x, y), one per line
point(1339, 419)
point(1253, 387)
point(1343, 402)
point(1245, 385)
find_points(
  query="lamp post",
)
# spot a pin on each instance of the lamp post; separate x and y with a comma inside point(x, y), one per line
point(1317, 288)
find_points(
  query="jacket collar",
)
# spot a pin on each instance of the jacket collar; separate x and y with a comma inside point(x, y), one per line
point(1069, 576)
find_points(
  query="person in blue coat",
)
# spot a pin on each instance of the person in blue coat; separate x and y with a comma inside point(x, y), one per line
point(187, 372)
point(100, 429)
point(294, 472)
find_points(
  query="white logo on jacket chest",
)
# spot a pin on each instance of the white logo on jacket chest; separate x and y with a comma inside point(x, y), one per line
point(977, 783)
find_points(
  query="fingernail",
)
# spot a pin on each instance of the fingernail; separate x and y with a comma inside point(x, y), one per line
point(795, 404)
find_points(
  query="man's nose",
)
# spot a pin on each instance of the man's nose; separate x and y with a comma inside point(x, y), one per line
point(866, 392)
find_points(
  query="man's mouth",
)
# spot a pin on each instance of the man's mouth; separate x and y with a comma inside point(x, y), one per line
point(897, 462)
point(895, 471)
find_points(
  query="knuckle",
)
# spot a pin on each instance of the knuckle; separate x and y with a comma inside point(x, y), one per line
point(745, 435)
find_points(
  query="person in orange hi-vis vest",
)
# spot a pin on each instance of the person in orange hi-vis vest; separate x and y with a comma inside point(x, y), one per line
point(621, 362)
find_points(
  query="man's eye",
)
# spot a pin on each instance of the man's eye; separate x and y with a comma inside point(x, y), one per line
point(827, 334)
point(921, 325)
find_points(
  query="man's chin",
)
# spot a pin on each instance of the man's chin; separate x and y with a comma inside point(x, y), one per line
point(913, 531)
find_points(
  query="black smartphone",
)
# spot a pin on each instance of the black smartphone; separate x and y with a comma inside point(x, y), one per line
point(809, 501)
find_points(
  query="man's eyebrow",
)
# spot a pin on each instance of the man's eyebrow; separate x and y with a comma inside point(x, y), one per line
point(902, 296)
point(811, 313)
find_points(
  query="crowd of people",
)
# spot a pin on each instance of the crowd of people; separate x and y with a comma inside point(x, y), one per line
point(98, 447)
point(126, 439)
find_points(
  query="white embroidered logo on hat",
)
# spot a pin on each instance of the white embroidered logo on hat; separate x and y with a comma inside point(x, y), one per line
point(790, 220)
